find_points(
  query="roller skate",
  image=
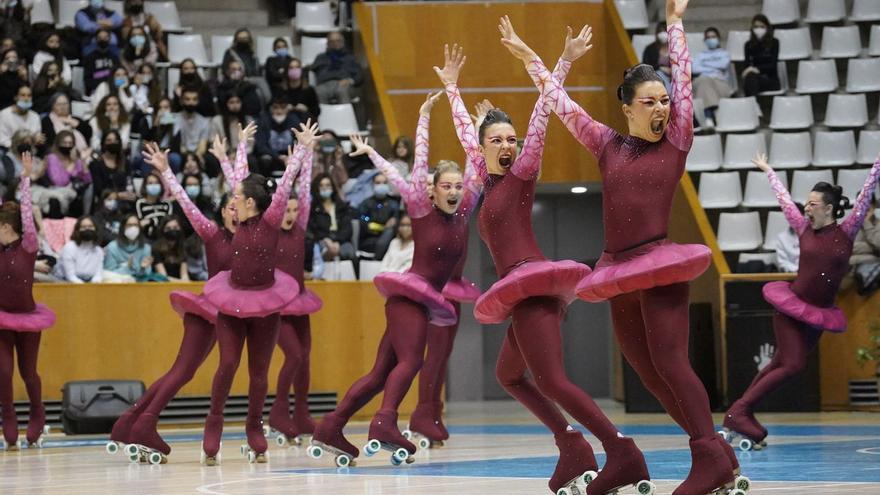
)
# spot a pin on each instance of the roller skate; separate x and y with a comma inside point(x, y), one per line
point(302, 421)
point(211, 444)
point(741, 428)
point(11, 442)
point(424, 427)
point(624, 466)
point(145, 443)
point(384, 435)
point(576, 466)
point(711, 472)
point(37, 428)
point(256, 446)
point(741, 482)
point(120, 432)
point(283, 427)
point(328, 438)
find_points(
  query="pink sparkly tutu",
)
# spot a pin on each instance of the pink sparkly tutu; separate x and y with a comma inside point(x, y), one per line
point(37, 320)
point(415, 287)
point(780, 296)
point(533, 279)
point(186, 302)
point(461, 290)
point(306, 303)
point(650, 265)
point(257, 302)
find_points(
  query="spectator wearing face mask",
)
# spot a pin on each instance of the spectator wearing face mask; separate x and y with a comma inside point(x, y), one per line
point(712, 70)
point(151, 208)
point(295, 90)
point(107, 217)
point(93, 19)
point(51, 51)
point(99, 64)
point(230, 121)
point(274, 137)
point(117, 85)
point(337, 71)
point(13, 75)
point(136, 17)
point(242, 51)
point(330, 221)
point(762, 56)
point(66, 169)
point(190, 78)
point(110, 172)
point(139, 50)
point(192, 184)
point(378, 218)
point(276, 65)
point(129, 254)
point(59, 119)
point(657, 55)
point(82, 259)
point(235, 83)
point(146, 91)
point(20, 117)
point(169, 257)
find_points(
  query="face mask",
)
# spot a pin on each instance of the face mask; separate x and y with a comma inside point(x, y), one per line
point(136, 9)
point(381, 190)
point(172, 235)
point(24, 104)
point(282, 52)
point(146, 78)
point(328, 146)
point(236, 75)
point(154, 189)
point(326, 193)
point(243, 46)
point(167, 118)
point(663, 37)
point(759, 32)
point(110, 204)
point(189, 108)
point(132, 233)
point(295, 73)
point(712, 43)
point(23, 148)
point(65, 150)
point(138, 40)
point(279, 118)
point(88, 235)
point(114, 148)
point(97, 4)
point(12, 66)
point(103, 44)
point(119, 82)
point(193, 191)
point(189, 78)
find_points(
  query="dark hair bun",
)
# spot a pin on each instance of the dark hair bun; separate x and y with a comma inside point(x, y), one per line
point(494, 116)
point(634, 77)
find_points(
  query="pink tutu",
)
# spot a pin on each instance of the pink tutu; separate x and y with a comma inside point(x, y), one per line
point(306, 303)
point(461, 290)
point(186, 302)
point(780, 296)
point(415, 287)
point(243, 302)
point(37, 320)
point(650, 265)
point(534, 279)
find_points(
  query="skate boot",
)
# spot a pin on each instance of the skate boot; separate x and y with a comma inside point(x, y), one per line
point(145, 443)
point(438, 419)
point(10, 429)
point(281, 423)
point(328, 437)
point(741, 426)
point(37, 426)
point(256, 446)
point(384, 435)
point(302, 420)
point(711, 471)
point(624, 465)
point(576, 466)
point(424, 427)
point(211, 443)
point(741, 482)
point(120, 432)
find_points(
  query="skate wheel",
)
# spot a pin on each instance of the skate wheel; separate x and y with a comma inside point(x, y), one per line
point(40, 443)
point(401, 455)
point(372, 447)
point(725, 435)
point(46, 429)
point(244, 450)
point(589, 476)
point(134, 458)
point(407, 434)
point(266, 431)
point(736, 491)
point(315, 452)
point(131, 449)
point(395, 461)
point(743, 483)
point(424, 443)
point(155, 458)
point(746, 445)
point(564, 491)
point(281, 440)
point(343, 461)
point(251, 457)
point(111, 447)
point(646, 487)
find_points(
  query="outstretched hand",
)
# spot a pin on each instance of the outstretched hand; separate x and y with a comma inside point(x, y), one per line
point(675, 10)
point(307, 133)
point(156, 157)
point(760, 160)
point(481, 109)
point(577, 46)
point(360, 146)
point(454, 61)
point(218, 147)
point(512, 41)
point(27, 164)
point(248, 133)
point(429, 103)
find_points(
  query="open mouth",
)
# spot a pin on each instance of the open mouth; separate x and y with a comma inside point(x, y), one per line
point(452, 202)
point(657, 126)
point(505, 160)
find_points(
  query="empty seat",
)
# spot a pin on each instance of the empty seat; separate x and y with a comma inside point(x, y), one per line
point(741, 148)
point(840, 42)
point(311, 47)
point(739, 231)
point(791, 112)
point(736, 44)
point(219, 44)
point(166, 13)
point(339, 270)
point(874, 43)
point(834, 149)
point(183, 46)
point(67, 10)
point(315, 17)
point(824, 11)
point(846, 110)
point(339, 118)
point(865, 11)
point(794, 44)
point(369, 269)
point(265, 47)
point(41, 13)
point(758, 193)
point(782, 11)
point(640, 42)
point(852, 180)
point(863, 75)
point(633, 13)
point(804, 180)
point(790, 150)
point(705, 153)
point(81, 109)
point(869, 146)
point(737, 115)
point(816, 76)
point(776, 223)
point(720, 190)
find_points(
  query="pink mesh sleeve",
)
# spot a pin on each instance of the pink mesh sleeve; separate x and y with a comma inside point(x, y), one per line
point(789, 209)
point(204, 227)
point(681, 119)
point(274, 214)
point(236, 173)
point(416, 199)
point(473, 187)
point(304, 189)
point(854, 222)
point(466, 131)
point(29, 230)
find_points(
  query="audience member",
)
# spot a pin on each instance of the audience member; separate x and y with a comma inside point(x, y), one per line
point(13, 75)
point(151, 208)
point(82, 259)
point(191, 128)
point(378, 218)
point(295, 90)
point(865, 259)
point(711, 67)
point(136, 17)
point(399, 256)
point(20, 116)
point(146, 91)
point(330, 221)
point(169, 258)
point(276, 65)
point(190, 78)
point(129, 254)
point(117, 85)
point(657, 55)
point(51, 51)
point(66, 169)
point(59, 119)
point(235, 83)
point(337, 71)
point(91, 21)
point(242, 51)
point(48, 84)
point(274, 137)
point(99, 64)
point(139, 50)
point(110, 116)
point(110, 172)
point(788, 248)
point(762, 56)
point(107, 216)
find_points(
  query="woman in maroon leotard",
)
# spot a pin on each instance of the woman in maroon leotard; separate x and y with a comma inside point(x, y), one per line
point(645, 276)
point(413, 298)
point(21, 319)
point(804, 307)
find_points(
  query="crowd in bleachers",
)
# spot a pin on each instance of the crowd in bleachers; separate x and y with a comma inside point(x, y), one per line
point(85, 94)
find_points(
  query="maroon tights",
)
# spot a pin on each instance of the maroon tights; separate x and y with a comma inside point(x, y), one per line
point(652, 329)
point(295, 340)
point(27, 346)
point(261, 335)
point(400, 356)
point(433, 374)
point(534, 342)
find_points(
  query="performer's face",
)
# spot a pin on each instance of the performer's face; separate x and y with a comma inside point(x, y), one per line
point(290, 214)
point(648, 114)
point(7, 234)
point(228, 214)
point(244, 207)
point(499, 148)
point(817, 211)
point(447, 192)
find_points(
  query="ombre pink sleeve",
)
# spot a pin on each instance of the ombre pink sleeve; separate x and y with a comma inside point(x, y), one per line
point(274, 214)
point(473, 187)
point(854, 221)
point(29, 230)
point(304, 189)
point(789, 209)
point(416, 199)
point(592, 134)
point(238, 172)
point(467, 133)
point(681, 119)
point(205, 228)
point(528, 163)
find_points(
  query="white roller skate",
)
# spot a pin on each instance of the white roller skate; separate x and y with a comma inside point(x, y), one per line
point(399, 455)
point(421, 440)
point(317, 449)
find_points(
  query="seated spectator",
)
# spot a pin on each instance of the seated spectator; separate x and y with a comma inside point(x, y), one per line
point(330, 221)
point(110, 171)
point(242, 51)
point(16, 19)
point(274, 137)
point(762, 57)
point(151, 209)
point(99, 64)
point(51, 51)
point(169, 258)
point(110, 116)
point(403, 155)
point(191, 129)
point(276, 65)
point(136, 17)
point(51, 201)
point(230, 121)
point(235, 83)
point(711, 68)
point(107, 217)
point(91, 20)
point(657, 55)
point(193, 165)
point(294, 89)
point(160, 129)
point(117, 85)
point(139, 49)
point(129, 254)
point(330, 158)
point(190, 78)
point(13, 75)
point(378, 217)
point(196, 262)
point(788, 248)
point(67, 169)
point(865, 258)
point(60, 119)
point(337, 71)
point(48, 84)
point(47, 258)
point(20, 117)
point(194, 187)
point(82, 259)
point(399, 256)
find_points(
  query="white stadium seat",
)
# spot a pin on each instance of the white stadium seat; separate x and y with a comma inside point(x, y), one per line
point(790, 150)
point(720, 190)
point(739, 231)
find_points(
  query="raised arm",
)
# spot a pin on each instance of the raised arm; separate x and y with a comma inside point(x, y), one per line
point(789, 209)
point(854, 221)
point(304, 188)
point(680, 131)
point(417, 201)
point(473, 187)
point(274, 214)
point(29, 231)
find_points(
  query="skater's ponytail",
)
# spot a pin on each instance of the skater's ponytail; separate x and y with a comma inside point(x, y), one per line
point(633, 78)
point(833, 195)
point(260, 189)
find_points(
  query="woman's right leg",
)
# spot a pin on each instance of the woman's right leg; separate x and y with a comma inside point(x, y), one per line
point(279, 416)
point(231, 334)
point(7, 356)
point(302, 327)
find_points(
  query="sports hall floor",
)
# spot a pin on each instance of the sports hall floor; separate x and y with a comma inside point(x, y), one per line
point(496, 447)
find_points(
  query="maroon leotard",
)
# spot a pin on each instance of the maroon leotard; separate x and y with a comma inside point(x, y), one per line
point(17, 260)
